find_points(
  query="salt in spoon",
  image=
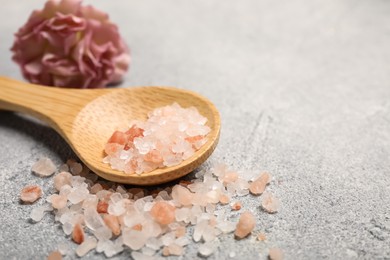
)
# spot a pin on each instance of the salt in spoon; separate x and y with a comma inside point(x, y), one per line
point(86, 118)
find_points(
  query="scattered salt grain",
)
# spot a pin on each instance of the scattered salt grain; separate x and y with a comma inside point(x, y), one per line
point(232, 254)
point(208, 248)
point(88, 244)
point(148, 220)
point(139, 256)
point(245, 225)
point(257, 187)
point(44, 167)
point(261, 237)
point(55, 255)
point(275, 254)
point(30, 193)
point(38, 212)
point(63, 248)
point(269, 203)
point(236, 205)
point(78, 234)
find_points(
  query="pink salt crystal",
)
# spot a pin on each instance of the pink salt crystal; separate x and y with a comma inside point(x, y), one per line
point(30, 193)
point(180, 231)
point(175, 249)
point(257, 187)
point(245, 225)
point(134, 132)
point(269, 203)
point(55, 255)
point(78, 234)
point(224, 199)
point(88, 244)
point(118, 137)
point(236, 205)
point(230, 177)
point(153, 156)
point(112, 148)
point(165, 251)
point(96, 188)
point(275, 254)
point(113, 223)
point(163, 212)
point(44, 167)
point(58, 201)
point(62, 179)
point(102, 207)
point(182, 195)
point(261, 237)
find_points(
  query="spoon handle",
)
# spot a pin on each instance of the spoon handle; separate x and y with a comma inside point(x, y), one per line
point(55, 106)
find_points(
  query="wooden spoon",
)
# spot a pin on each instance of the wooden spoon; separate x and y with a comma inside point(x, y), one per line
point(86, 118)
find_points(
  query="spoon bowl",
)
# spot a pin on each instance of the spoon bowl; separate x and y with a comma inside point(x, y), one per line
point(86, 118)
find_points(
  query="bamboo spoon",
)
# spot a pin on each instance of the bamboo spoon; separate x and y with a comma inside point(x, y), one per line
point(86, 118)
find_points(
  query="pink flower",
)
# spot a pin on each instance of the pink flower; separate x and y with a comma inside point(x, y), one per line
point(70, 45)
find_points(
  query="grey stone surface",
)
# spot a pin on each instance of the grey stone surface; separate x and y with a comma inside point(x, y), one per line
point(303, 88)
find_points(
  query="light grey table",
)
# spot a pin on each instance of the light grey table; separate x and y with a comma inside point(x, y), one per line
point(303, 88)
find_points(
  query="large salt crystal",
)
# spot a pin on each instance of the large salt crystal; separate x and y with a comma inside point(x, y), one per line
point(154, 243)
point(30, 193)
point(208, 248)
point(182, 195)
point(62, 179)
point(245, 225)
point(44, 167)
point(275, 254)
point(88, 244)
point(199, 230)
point(163, 212)
point(134, 239)
point(226, 226)
point(77, 195)
point(182, 214)
point(270, 203)
point(258, 186)
point(93, 219)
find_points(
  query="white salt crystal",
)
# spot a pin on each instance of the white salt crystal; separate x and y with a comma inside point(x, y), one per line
point(139, 256)
point(37, 214)
point(154, 243)
point(77, 195)
point(232, 254)
point(103, 233)
point(226, 226)
point(168, 238)
point(134, 239)
point(208, 248)
point(67, 227)
point(182, 241)
point(116, 197)
point(182, 214)
point(93, 219)
point(148, 251)
point(88, 244)
point(63, 248)
point(44, 167)
point(199, 230)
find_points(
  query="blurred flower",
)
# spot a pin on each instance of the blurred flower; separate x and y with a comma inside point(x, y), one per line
point(70, 45)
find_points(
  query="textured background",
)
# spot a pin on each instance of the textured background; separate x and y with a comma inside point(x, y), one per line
point(303, 88)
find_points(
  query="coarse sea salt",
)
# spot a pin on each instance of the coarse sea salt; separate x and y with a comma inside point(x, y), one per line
point(170, 135)
point(110, 218)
